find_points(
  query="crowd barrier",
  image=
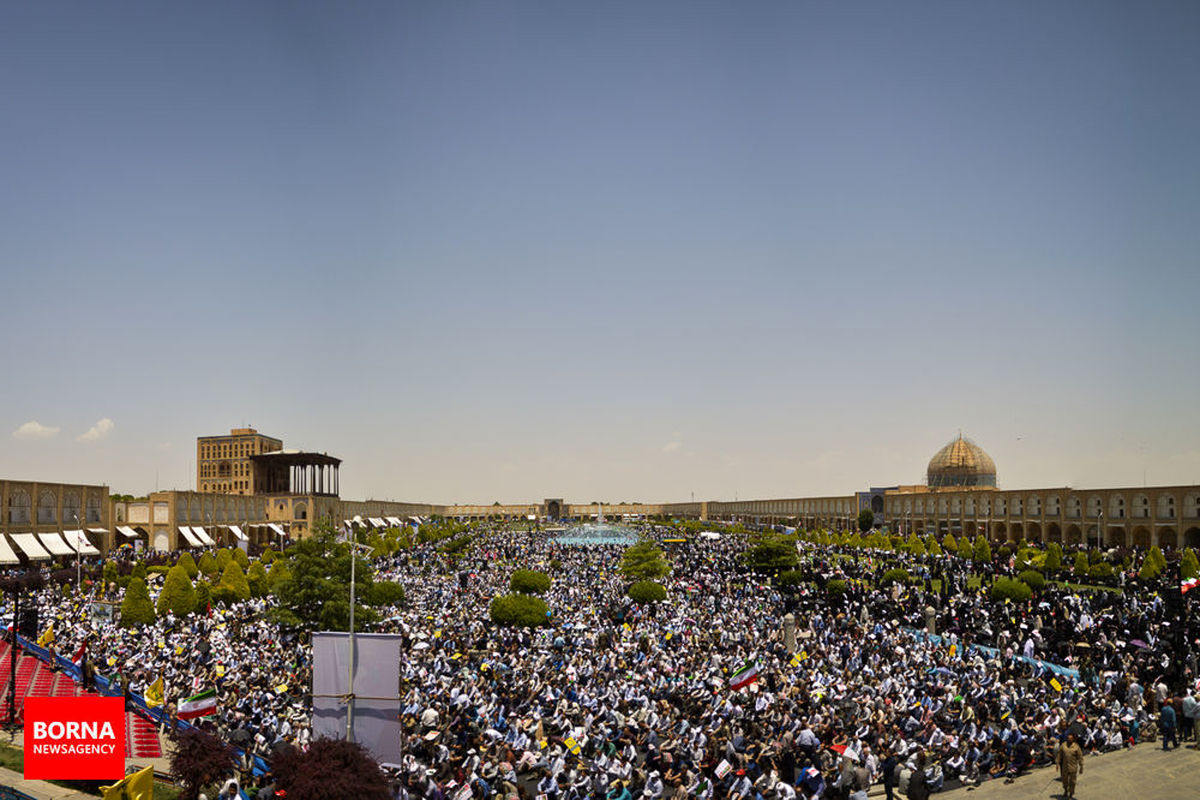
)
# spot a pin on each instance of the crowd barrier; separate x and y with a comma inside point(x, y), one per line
point(137, 702)
point(992, 652)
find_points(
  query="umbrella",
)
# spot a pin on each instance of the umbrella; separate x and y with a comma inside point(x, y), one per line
point(1083, 645)
point(1138, 643)
point(421, 646)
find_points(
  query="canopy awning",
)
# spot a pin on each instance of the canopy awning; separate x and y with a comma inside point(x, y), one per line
point(80, 542)
point(275, 526)
point(395, 522)
point(377, 522)
point(417, 520)
point(98, 531)
point(7, 556)
point(238, 533)
point(55, 544)
point(202, 535)
point(29, 545)
point(127, 532)
point(189, 536)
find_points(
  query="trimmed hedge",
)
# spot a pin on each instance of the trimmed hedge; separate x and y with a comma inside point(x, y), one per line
point(527, 581)
point(791, 577)
point(1032, 578)
point(647, 592)
point(178, 596)
point(1011, 589)
point(523, 610)
point(836, 587)
point(1102, 570)
point(896, 575)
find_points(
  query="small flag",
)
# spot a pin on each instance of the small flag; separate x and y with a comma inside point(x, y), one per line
point(80, 656)
point(199, 705)
point(723, 769)
point(1188, 585)
point(138, 786)
point(1054, 683)
point(154, 694)
point(572, 745)
point(47, 637)
point(745, 676)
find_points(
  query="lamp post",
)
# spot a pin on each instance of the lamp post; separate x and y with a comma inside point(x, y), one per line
point(78, 555)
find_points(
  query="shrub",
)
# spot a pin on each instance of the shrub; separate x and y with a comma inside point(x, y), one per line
point(267, 557)
point(1189, 567)
point(644, 561)
point(1004, 552)
point(110, 572)
point(178, 596)
point(278, 575)
point(257, 578)
point(208, 564)
point(836, 587)
point(1149, 570)
point(1032, 578)
point(223, 558)
point(233, 585)
point(157, 569)
point(1081, 563)
point(790, 578)
point(139, 571)
point(895, 575)
point(522, 610)
point(329, 768)
point(1011, 589)
point(647, 592)
point(983, 551)
point(189, 565)
point(1103, 570)
point(527, 581)
point(385, 593)
point(965, 551)
point(241, 558)
point(1053, 561)
point(950, 544)
point(203, 597)
point(136, 609)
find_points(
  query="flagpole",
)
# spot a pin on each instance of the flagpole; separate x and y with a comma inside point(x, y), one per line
point(350, 682)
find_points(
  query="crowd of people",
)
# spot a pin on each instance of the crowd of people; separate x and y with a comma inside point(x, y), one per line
point(917, 685)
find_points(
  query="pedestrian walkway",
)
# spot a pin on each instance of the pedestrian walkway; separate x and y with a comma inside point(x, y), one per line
point(1144, 773)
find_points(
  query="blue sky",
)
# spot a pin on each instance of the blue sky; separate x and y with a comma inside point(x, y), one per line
point(618, 251)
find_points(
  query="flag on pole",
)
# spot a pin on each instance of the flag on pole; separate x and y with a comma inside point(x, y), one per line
point(138, 786)
point(1189, 584)
point(154, 694)
point(80, 656)
point(199, 705)
point(47, 637)
point(745, 676)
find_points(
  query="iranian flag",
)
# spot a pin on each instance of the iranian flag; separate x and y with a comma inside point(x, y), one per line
point(199, 705)
point(80, 656)
point(745, 676)
point(1190, 583)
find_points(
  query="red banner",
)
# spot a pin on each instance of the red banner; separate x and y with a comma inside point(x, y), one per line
point(74, 738)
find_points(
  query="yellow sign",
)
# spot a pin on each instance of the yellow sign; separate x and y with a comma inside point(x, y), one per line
point(1057, 686)
point(572, 745)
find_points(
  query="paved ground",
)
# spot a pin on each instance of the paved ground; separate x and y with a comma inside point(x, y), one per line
point(1143, 773)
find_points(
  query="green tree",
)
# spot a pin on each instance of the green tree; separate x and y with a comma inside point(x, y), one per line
point(932, 547)
point(208, 564)
point(139, 570)
point(772, 555)
point(203, 597)
point(267, 557)
point(644, 561)
point(983, 551)
point(1150, 566)
point(965, 551)
point(1081, 563)
point(645, 592)
point(223, 558)
point(110, 572)
point(239, 555)
point(950, 544)
point(1053, 558)
point(233, 586)
point(178, 596)
point(136, 608)
point(386, 593)
point(189, 565)
point(1189, 567)
point(316, 596)
point(528, 581)
point(257, 578)
point(915, 545)
point(1011, 589)
point(866, 519)
point(279, 574)
point(1032, 578)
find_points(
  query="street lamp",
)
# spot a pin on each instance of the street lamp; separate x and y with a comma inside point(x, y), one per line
point(78, 554)
point(354, 548)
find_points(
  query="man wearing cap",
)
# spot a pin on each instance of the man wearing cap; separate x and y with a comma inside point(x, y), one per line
point(1069, 759)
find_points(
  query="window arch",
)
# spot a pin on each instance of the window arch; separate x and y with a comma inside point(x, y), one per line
point(93, 508)
point(1116, 507)
point(18, 506)
point(47, 511)
point(72, 508)
point(1166, 506)
point(1141, 506)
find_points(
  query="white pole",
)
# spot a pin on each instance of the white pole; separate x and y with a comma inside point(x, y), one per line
point(350, 682)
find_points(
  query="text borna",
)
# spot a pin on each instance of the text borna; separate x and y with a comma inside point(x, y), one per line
point(73, 730)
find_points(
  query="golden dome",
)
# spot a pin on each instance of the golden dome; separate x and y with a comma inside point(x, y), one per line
point(961, 463)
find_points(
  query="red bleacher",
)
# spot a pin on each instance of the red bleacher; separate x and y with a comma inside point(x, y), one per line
point(35, 679)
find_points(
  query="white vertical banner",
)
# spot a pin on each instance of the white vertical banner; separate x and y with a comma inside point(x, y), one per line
point(376, 690)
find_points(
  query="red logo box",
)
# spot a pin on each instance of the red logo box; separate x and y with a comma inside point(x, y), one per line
point(74, 738)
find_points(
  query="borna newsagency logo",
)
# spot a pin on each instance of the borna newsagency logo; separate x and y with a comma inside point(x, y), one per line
point(74, 738)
